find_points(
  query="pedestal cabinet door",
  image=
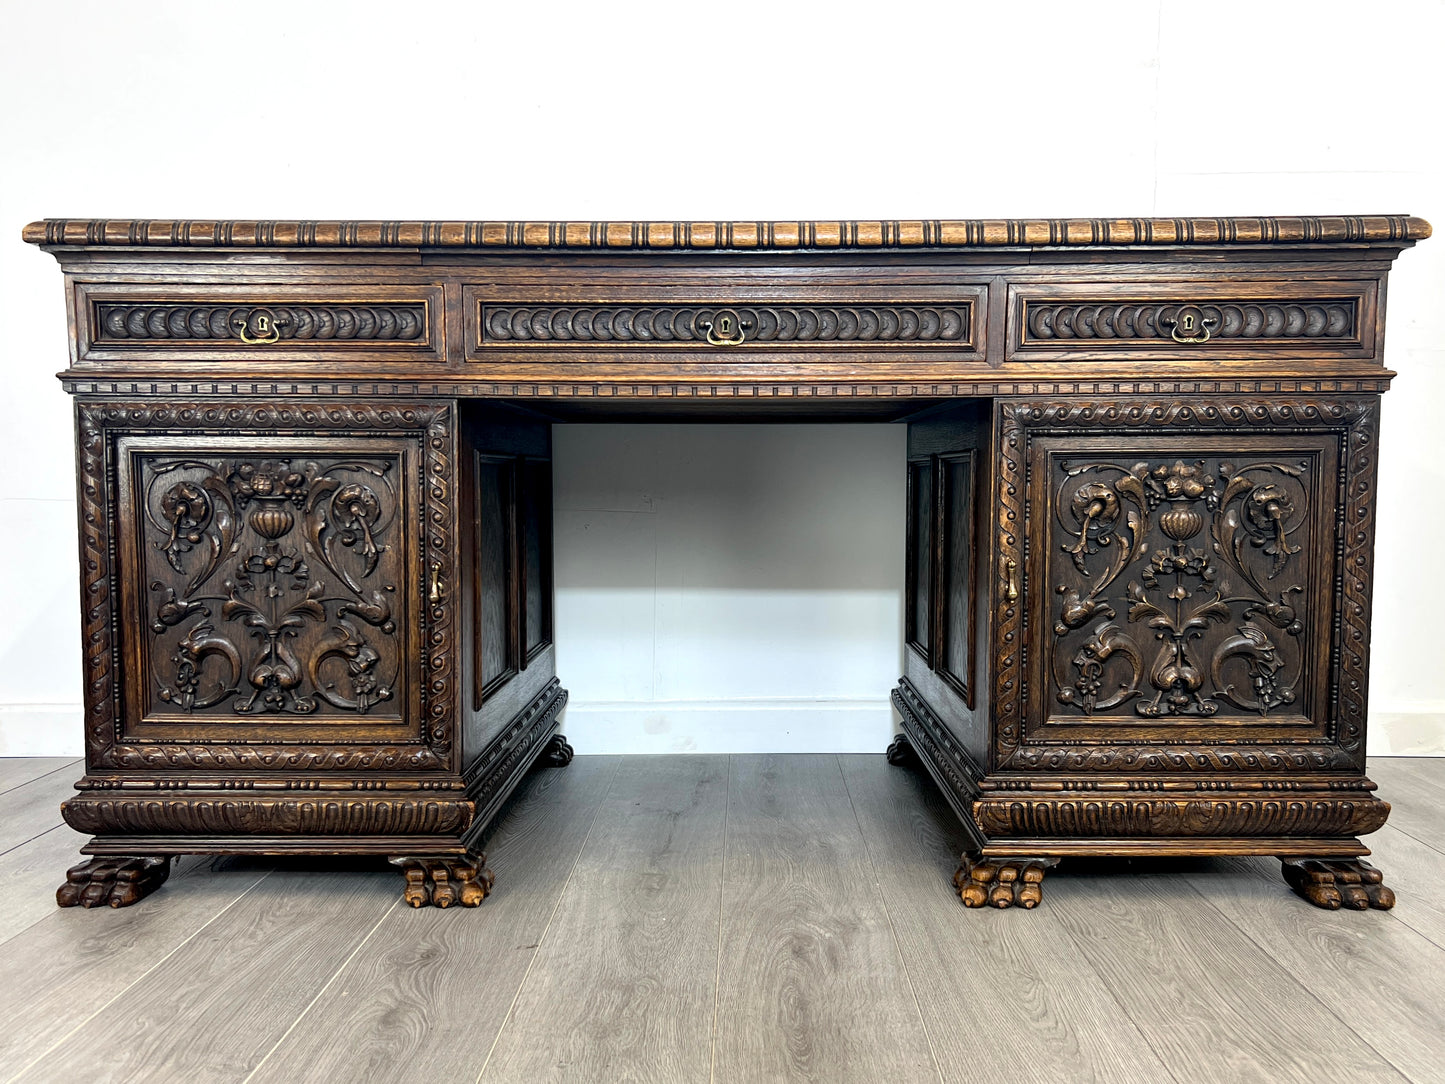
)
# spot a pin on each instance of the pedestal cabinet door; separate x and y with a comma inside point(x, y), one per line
point(1186, 590)
point(268, 587)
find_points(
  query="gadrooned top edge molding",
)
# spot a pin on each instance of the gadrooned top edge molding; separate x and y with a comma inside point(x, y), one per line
point(755, 236)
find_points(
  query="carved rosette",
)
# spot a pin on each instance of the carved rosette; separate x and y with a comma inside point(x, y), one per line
point(274, 585)
point(1178, 587)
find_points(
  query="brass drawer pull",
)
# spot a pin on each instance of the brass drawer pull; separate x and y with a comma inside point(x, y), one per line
point(259, 327)
point(1011, 591)
point(723, 329)
point(435, 594)
point(1189, 325)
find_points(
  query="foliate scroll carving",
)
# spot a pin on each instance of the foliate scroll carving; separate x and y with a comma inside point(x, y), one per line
point(209, 523)
point(288, 582)
point(1252, 658)
point(1207, 555)
point(1326, 318)
point(655, 325)
point(259, 325)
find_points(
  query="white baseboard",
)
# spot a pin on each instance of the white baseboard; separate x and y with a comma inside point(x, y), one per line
point(710, 726)
point(730, 726)
point(1416, 732)
point(42, 730)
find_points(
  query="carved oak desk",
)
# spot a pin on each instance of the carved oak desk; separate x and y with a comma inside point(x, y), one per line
point(315, 546)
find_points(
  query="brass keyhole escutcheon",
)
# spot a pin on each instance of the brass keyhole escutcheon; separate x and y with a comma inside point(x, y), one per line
point(725, 328)
point(258, 328)
point(1190, 325)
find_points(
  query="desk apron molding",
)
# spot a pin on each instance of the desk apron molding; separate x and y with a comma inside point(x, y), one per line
point(314, 475)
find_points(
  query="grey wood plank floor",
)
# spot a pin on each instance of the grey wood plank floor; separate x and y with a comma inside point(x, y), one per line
point(745, 918)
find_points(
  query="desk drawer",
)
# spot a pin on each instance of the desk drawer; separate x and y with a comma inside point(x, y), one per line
point(259, 323)
point(1192, 320)
point(727, 325)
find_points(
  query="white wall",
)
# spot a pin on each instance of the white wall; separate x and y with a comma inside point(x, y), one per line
point(729, 588)
point(677, 111)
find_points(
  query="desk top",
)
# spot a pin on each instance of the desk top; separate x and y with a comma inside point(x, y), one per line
point(746, 236)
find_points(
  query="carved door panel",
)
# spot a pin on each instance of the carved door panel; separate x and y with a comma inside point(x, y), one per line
point(1187, 590)
point(272, 586)
point(280, 593)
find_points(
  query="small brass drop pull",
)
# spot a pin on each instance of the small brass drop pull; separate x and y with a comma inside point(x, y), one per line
point(257, 328)
point(1011, 591)
point(725, 328)
point(435, 594)
point(1189, 325)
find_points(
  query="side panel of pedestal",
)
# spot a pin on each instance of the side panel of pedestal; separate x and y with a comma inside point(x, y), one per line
point(940, 701)
point(511, 696)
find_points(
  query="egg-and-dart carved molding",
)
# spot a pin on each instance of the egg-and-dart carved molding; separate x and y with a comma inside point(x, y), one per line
point(829, 234)
point(259, 324)
point(1355, 421)
point(1263, 319)
point(99, 424)
point(654, 325)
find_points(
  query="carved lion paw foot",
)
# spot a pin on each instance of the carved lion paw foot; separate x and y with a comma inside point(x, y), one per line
point(557, 753)
point(900, 750)
point(118, 882)
point(1336, 883)
point(1001, 882)
point(442, 882)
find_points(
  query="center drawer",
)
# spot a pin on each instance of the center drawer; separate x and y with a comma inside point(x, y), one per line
point(512, 325)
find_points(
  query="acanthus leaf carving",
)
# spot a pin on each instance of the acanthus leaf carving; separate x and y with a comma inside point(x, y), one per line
point(1175, 595)
point(271, 590)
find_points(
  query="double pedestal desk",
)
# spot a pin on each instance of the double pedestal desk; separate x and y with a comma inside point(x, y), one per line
point(315, 501)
